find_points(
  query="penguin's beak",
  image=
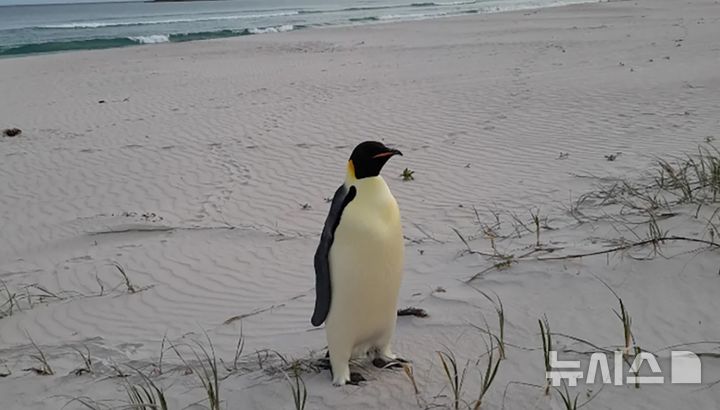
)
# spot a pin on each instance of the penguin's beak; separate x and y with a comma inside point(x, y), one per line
point(388, 153)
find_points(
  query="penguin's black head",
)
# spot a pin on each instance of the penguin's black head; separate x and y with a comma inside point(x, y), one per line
point(368, 158)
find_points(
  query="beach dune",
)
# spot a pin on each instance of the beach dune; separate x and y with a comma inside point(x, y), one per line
point(178, 191)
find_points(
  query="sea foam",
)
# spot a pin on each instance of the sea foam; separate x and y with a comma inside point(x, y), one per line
point(152, 39)
point(277, 29)
point(112, 23)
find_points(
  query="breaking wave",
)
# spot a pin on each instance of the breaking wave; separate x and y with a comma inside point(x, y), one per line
point(113, 23)
point(100, 43)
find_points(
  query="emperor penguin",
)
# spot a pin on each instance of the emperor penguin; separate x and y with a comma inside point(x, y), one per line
point(359, 265)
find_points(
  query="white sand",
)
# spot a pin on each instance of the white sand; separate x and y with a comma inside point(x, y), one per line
point(224, 142)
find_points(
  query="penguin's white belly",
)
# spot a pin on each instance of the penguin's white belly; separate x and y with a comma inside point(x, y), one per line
point(366, 268)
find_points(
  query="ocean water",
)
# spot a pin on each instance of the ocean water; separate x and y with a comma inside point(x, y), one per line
point(60, 27)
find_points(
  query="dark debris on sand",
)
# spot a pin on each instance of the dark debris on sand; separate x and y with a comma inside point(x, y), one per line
point(12, 132)
point(412, 311)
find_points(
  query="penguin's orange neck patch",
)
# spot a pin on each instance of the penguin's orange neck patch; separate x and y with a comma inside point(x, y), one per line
point(350, 170)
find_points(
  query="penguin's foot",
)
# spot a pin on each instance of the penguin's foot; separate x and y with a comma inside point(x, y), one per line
point(382, 363)
point(356, 378)
point(341, 375)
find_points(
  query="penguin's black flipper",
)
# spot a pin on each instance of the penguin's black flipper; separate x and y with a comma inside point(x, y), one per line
point(342, 197)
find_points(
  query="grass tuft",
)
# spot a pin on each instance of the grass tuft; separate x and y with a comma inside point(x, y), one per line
point(206, 370)
point(488, 376)
point(547, 348)
point(128, 284)
point(629, 344)
point(239, 347)
point(569, 402)
point(297, 386)
point(626, 321)
point(44, 369)
point(455, 376)
point(500, 311)
point(159, 366)
point(145, 396)
point(535, 214)
point(87, 362)
point(10, 304)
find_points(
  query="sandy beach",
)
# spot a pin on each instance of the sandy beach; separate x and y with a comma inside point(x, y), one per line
point(171, 194)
